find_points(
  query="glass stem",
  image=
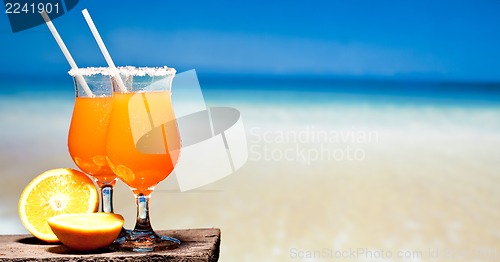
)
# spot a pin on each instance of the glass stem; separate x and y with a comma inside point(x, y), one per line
point(142, 225)
point(107, 199)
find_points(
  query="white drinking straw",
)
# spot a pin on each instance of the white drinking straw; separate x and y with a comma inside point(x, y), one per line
point(104, 50)
point(66, 53)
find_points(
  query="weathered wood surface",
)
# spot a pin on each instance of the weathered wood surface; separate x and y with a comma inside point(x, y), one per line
point(196, 245)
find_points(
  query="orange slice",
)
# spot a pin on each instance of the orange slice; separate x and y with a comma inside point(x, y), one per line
point(57, 191)
point(85, 232)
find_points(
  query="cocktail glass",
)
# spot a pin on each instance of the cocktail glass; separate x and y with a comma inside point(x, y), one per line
point(88, 129)
point(143, 145)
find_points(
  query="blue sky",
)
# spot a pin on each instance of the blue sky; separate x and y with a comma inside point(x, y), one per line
point(443, 40)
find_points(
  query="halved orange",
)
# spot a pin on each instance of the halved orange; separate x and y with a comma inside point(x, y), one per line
point(85, 232)
point(57, 191)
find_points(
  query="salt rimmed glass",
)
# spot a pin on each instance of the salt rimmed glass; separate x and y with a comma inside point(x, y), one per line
point(88, 129)
point(143, 145)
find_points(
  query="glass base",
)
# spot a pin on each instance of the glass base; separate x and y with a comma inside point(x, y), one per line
point(141, 242)
point(122, 236)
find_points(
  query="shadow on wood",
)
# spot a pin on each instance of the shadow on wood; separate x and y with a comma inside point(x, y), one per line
point(33, 241)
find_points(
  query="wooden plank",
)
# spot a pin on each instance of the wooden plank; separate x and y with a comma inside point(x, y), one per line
point(197, 245)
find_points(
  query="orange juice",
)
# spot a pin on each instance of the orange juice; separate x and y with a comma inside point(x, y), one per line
point(143, 141)
point(87, 137)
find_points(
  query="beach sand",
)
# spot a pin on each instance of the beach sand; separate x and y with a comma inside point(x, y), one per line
point(421, 182)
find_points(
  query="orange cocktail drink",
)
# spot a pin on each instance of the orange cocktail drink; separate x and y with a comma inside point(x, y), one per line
point(143, 140)
point(87, 137)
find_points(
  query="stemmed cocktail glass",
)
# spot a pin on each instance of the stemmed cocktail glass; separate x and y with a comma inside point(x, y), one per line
point(143, 145)
point(88, 129)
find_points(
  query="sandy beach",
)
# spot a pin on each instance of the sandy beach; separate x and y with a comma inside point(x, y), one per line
point(389, 180)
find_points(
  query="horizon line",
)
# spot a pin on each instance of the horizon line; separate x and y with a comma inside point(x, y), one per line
point(285, 77)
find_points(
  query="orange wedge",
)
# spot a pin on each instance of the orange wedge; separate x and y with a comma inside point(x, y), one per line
point(85, 232)
point(57, 191)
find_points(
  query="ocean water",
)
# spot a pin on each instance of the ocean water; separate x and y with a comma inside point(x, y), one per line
point(398, 168)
